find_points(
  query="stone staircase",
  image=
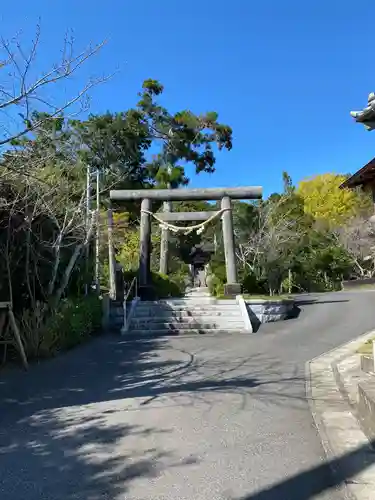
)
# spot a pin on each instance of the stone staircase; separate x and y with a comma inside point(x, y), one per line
point(195, 313)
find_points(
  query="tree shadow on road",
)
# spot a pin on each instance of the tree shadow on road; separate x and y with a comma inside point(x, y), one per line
point(60, 424)
point(320, 480)
point(308, 302)
point(110, 370)
point(58, 439)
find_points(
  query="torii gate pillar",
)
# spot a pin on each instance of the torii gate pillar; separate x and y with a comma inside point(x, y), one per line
point(232, 287)
point(144, 247)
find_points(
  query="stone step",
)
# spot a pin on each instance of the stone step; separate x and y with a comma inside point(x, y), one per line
point(187, 326)
point(204, 293)
point(195, 298)
point(185, 316)
point(183, 313)
point(192, 331)
point(182, 305)
point(198, 289)
point(173, 325)
point(200, 305)
point(180, 313)
point(176, 306)
point(183, 301)
point(190, 302)
point(118, 310)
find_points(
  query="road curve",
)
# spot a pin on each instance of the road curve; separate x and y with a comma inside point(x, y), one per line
point(199, 418)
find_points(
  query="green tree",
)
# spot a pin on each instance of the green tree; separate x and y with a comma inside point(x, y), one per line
point(118, 143)
point(318, 263)
point(288, 183)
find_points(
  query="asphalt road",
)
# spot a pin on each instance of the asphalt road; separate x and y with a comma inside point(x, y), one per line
point(199, 418)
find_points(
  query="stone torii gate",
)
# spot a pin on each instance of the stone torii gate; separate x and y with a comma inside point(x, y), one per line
point(146, 196)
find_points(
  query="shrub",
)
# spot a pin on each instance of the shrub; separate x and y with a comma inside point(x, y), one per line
point(181, 276)
point(217, 268)
point(164, 287)
point(31, 328)
point(250, 284)
point(104, 276)
point(216, 286)
point(75, 321)
point(45, 332)
point(287, 284)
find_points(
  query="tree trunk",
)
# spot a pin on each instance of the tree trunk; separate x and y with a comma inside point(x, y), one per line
point(68, 271)
point(27, 266)
point(51, 284)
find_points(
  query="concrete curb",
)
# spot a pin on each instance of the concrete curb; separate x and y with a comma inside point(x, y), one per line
point(338, 428)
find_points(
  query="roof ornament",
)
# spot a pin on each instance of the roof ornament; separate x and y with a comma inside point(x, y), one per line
point(367, 115)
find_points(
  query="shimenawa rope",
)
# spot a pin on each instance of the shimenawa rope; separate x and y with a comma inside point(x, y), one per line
point(186, 230)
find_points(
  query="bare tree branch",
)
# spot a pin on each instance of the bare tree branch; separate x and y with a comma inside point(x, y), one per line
point(358, 239)
point(17, 92)
point(267, 243)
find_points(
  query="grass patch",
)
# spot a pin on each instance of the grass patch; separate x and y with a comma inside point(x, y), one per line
point(359, 287)
point(365, 348)
point(271, 298)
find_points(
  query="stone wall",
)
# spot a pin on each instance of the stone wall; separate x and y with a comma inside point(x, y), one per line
point(266, 311)
point(366, 394)
point(366, 406)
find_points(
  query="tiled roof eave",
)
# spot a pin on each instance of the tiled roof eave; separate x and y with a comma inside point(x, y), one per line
point(363, 176)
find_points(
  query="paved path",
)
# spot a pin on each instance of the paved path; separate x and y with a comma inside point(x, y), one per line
point(204, 418)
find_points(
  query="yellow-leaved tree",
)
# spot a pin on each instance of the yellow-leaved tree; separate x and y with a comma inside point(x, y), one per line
point(325, 201)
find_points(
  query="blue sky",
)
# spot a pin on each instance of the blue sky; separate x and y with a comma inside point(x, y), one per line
point(284, 74)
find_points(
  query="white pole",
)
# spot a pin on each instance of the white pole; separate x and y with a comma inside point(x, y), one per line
point(97, 241)
point(88, 209)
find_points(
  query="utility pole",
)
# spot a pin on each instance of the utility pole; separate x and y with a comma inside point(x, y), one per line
point(97, 234)
point(88, 213)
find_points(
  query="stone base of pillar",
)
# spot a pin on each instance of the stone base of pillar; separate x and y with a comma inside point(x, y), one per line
point(232, 289)
point(146, 292)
